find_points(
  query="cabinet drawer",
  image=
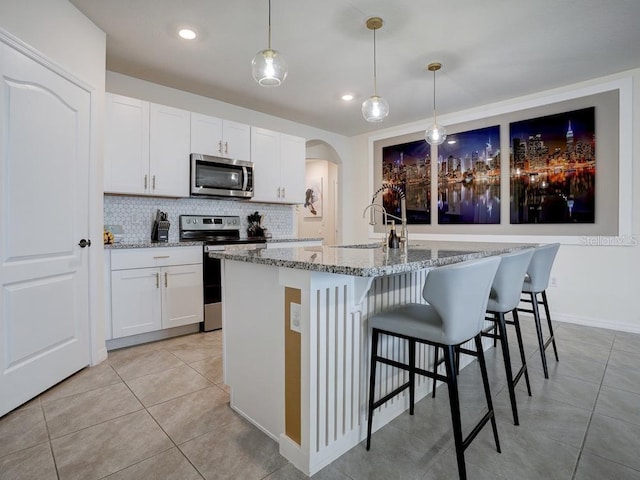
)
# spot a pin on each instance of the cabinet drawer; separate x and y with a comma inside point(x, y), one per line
point(155, 257)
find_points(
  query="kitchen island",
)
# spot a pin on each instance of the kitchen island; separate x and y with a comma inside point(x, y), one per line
point(296, 337)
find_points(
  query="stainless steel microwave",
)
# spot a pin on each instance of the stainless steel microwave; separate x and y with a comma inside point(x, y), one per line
point(221, 177)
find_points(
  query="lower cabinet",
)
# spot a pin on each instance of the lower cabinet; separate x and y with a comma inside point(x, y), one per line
point(159, 293)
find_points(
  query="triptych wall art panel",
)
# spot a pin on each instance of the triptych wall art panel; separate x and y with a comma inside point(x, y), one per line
point(469, 177)
point(553, 168)
point(408, 166)
point(523, 172)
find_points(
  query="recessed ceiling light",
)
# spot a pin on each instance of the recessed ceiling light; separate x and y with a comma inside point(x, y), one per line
point(187, 33)
point(347, 97)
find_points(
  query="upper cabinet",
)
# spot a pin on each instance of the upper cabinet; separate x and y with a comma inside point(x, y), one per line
point(147, 148)
point(169, 151)
point(126, 162)
point(221, 138)
point(279, 162)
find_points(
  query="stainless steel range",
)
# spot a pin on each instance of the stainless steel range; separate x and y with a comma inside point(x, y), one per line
point(218, 232)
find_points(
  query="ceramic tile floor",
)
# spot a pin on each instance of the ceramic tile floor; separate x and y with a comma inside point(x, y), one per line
point(161, 411)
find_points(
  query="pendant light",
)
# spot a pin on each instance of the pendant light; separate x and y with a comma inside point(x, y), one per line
point(436, 134)
point(375, 108)
point(268, 67)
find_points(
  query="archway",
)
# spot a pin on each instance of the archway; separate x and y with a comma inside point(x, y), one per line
point(321, 215)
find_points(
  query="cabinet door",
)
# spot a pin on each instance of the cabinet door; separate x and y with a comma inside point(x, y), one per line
point(265, 153)
point(183, 301)
point(126, 160)
point(292, 164)
point(236, 140)
point(135, 301)
point(206, 134)
point(170, 145)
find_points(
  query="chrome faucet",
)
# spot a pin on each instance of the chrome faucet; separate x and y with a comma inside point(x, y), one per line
point(404, 232)
point(372, 219)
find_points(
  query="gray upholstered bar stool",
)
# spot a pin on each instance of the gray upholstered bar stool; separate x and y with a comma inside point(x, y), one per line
point(504, 298)
point(536, 282)
point(446, 322)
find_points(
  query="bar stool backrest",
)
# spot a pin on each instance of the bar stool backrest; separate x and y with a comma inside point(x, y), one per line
point(540, 267)
point(507, 284)
point(459, 294)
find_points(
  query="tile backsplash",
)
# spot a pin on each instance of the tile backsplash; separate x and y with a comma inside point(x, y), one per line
point(136, 214)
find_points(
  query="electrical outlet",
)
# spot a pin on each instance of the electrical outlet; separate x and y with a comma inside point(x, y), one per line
point(295, 317)
point(553, 281)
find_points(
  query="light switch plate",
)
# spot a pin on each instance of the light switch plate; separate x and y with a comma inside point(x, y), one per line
point(295, 317)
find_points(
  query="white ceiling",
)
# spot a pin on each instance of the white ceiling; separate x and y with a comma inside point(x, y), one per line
point(491, 50)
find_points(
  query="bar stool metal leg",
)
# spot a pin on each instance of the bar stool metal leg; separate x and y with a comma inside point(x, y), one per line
point(548, 314)
point(502, 333)
point(487, 393)
point(372, 382)
point(454, 402)
point(525, 370)
point(536, 317)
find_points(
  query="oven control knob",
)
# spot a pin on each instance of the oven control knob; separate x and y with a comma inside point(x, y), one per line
point(235, 221)
point(188, 220)
point(195, 220)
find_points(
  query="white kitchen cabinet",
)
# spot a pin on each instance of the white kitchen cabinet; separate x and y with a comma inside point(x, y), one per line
point(147, 148)
point(155, 288)
point(126, 153)
point(279, 162)
point(170, 146)
point(221, 138)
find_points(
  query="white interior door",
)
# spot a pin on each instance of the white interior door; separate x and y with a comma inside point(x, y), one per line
point(44, 194)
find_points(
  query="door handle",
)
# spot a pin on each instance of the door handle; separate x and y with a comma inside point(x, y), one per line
point(157, 280)
point(84, 243)
point(166, 279)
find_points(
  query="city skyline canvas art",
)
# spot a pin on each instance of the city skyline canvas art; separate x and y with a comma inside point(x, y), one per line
point(408, 167)
point(469, 177)
point(553, 168)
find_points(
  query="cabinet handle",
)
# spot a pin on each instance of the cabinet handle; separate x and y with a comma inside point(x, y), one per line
point(278, 192)
point(283, 193)
point(157, 280)
point(161, 256)
point(145, 181)
point(219, 146)
point(153, 182)
point(226, 147)
point(166, 279)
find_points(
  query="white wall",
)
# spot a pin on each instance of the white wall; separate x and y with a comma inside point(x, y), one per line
point(67, 38)
point(597, 284)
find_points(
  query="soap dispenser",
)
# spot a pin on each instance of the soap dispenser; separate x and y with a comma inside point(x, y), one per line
point(394, 241)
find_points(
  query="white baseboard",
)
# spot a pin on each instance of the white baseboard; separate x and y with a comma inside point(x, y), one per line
point(590, 322)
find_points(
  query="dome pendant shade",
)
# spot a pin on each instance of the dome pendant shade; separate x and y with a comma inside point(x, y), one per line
point(436, 134)
point(269, 68)
point(375, 109)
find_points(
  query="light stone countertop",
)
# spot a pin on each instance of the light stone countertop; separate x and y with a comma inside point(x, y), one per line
point(294, 239)
point(368, 260)
point(150, 244)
